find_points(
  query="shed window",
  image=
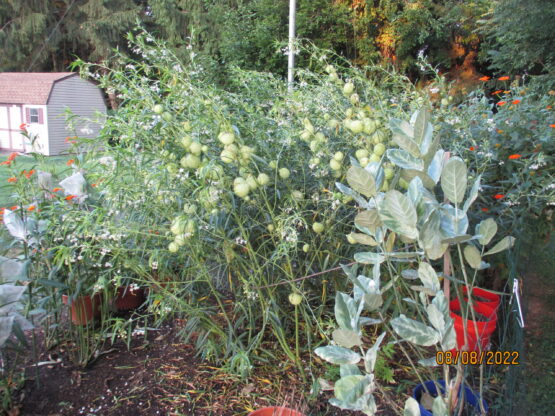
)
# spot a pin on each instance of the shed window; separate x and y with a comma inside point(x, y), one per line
point(34, 115)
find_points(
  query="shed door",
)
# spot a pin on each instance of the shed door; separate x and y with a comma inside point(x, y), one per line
point(10, 120)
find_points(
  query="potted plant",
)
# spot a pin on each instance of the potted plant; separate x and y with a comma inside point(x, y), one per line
point(129, 296)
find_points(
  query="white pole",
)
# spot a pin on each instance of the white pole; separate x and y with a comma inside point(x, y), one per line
point(291, 56)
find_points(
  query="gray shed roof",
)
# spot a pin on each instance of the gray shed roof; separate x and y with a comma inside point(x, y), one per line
point(29, 87)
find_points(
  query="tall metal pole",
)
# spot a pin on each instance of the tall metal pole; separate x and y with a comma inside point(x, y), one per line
point(291, 56)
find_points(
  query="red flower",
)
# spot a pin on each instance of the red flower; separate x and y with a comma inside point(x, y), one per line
point(70, 162)
point(56, 189)
point(485, 209)
point(7, 162)
point(504, 78)
point(515, 102)
point(549, 107)
point(515, 156)
point(499, 196)
point(12, 156)
point(31, 208)
point(13, 179)
point(14, 208)
point(471, 148)
point(501, 103)
point(485, 78)
point(23, 126)
point(69, 197)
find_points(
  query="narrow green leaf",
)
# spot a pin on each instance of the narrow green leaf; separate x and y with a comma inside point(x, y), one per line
point(504, 244)
point(361, 181)
point(454, 179)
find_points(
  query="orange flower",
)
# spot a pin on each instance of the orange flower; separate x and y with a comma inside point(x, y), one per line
point(497, 92)
point(14, 208)
point(485, 78)
point(552, 126)
point(506, 91)
point(515, 102)
point(13, 179)
point(70, 162)
point(504, 78)
point(69, 197)
point(23, 126)
point(93, 185)
point(31, 208)
point(515, 156)
point(485, 209)
point(498, 145)
point(501, 103)
point(56, 189)
point(472, 148)
point(7, 162)
point(499, 196)
point(12, 156)
point(549, 107)
point(29, 174)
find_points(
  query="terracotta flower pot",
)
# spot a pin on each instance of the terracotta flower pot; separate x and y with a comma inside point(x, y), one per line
point(478, 332)
point(84, 309)
point(484, 297)
point(276, 411)
point(128, 298)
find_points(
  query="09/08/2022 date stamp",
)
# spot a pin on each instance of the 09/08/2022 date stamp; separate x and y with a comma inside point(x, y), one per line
point(478, 358)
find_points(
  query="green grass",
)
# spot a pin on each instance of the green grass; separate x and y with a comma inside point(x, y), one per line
point(53, 164)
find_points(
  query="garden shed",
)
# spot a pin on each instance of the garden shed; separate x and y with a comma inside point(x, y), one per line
point(40, 100)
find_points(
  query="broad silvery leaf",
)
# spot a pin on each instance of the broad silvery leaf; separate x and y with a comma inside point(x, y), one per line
point(428, 362)
point(74, 185)
point(436, 165)
point(398, 214)
point(369, 258)
point(409, 174)
point(411, 407)
point(430, 237)
point(414, 331)
point(361, 181)
point(428, 276)
point(439, 408)
point(373, 301)
point(350, 388)
point(9, 298)
point(473, 194)
point(403, 135)
point(472, 256)
point(349, 370)
point(504, 244)
point(6, 324)
point(346, 338)
point(421, 122)
point(487, 230)
point(15, 225)
point(369, 219)
point(345, 309)
point(372, 354)
point(435, 317)
point(454, 179)
point(404, 159)
point(355, 195)
point(364, 239)
point(454, 222)
point(410, 274)
point(44, 180)
point(12, 270)
point(416, 191)
point(337, 355)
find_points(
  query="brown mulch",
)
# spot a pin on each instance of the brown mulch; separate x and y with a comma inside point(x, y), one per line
point(161, 376)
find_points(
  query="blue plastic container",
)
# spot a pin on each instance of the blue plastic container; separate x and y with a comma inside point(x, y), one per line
point(470, 398)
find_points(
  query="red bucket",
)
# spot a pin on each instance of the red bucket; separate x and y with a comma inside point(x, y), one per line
point(478, 332)
point(484, 297)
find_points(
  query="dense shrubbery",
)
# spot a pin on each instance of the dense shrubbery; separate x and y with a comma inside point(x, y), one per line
point(223, 201)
